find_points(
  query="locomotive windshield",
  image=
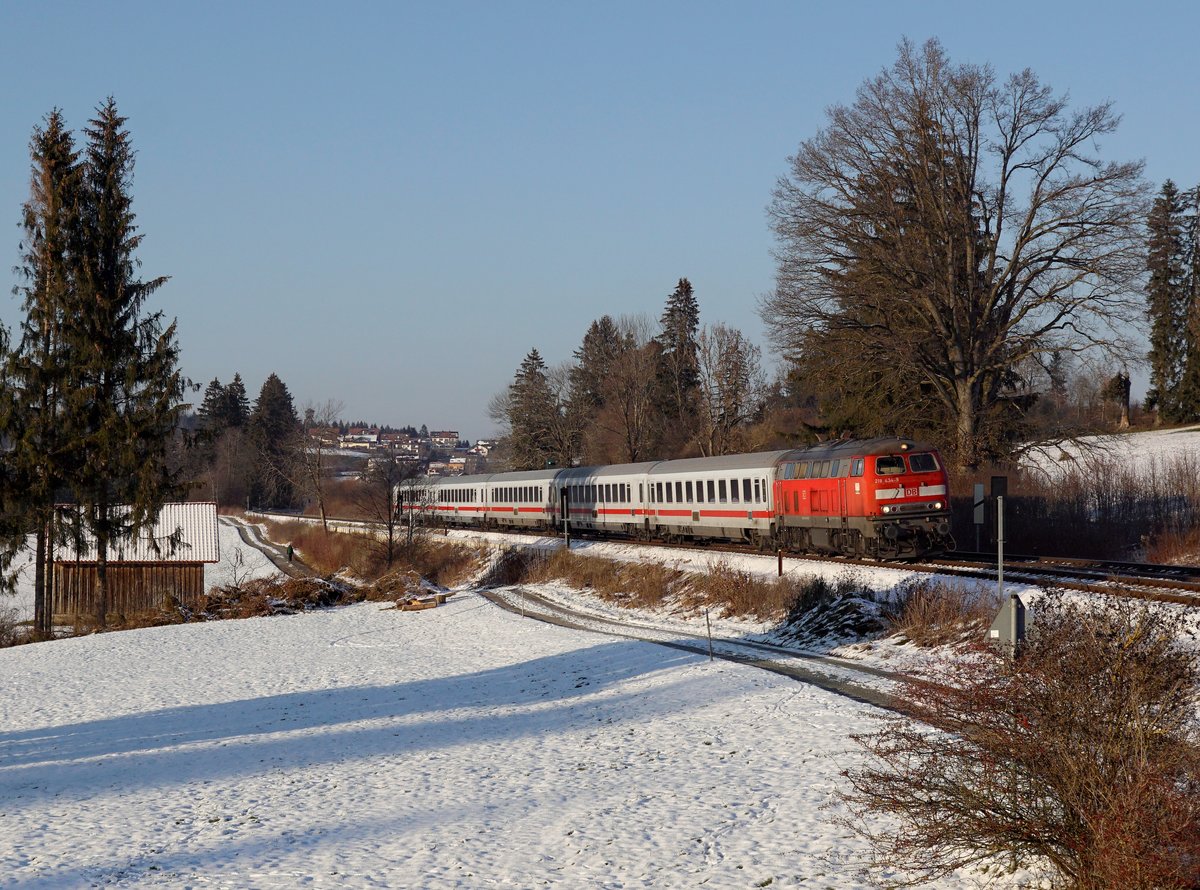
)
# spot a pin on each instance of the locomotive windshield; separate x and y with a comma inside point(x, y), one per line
point(922, 463)
point(890, 465)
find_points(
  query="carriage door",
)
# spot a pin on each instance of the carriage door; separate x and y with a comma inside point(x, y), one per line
point(842, 505)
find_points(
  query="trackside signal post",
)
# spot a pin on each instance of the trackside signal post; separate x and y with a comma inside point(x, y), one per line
point(1008, 628)
point(564, 500)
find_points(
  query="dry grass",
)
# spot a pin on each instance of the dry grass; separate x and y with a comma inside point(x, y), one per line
point(1174, 547)
point(636, 585)
point(738, 593)
point(936, 613)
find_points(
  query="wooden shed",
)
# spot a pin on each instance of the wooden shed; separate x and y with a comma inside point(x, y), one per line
point(144, 573)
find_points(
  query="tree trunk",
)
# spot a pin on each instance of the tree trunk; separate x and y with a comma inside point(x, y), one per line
point(101, 574)
point(39, 581)
point(966, 425)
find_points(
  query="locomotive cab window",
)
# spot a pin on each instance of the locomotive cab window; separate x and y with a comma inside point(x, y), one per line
point(922, 463)
point(890, 465)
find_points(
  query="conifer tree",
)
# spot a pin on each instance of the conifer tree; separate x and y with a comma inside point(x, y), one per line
point(273, 427)
point(532, 414)
point(124, 391)
point(212, 408)
point(1167, 303)
point(36, 373)
point(237, 405)
point(1187, 396)
point(678, 362)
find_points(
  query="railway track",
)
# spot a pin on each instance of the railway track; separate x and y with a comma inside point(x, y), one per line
point(862, 683)
point(1160, 583)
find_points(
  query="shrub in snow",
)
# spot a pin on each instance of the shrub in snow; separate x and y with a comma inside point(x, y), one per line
point(1081, 755)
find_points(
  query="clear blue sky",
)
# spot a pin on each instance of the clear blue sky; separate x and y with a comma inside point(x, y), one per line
point(388, 204)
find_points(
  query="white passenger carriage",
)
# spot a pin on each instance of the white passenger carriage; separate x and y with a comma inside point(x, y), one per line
point(460, 500)
point(527, 499)
point(608, 498)
point(716, 497)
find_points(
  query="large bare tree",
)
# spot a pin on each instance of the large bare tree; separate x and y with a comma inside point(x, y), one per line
point(731, 388)
point(947, 226)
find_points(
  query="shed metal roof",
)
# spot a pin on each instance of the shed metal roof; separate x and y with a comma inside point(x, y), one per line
point(199, 542)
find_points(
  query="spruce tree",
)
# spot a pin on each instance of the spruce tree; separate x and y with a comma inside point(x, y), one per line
point(36, 373)
point(532, 412)
point(237, 405)
point(212, 408)
point(678, 363)
point(1167, 304)
point(274, 428)
point(124, 391)
point(1187, 395)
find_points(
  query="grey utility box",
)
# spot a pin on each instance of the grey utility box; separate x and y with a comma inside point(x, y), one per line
point(1009, 626)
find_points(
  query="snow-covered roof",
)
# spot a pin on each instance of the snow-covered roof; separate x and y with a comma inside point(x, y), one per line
point(196, 523)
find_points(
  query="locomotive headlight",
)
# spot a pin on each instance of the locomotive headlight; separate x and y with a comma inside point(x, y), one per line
point(937, 505)
point(887, 508)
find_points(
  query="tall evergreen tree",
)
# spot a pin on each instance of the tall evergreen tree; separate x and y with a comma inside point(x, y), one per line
point(212, 408)
point(678, 363)
point(532, 415)
point(1187, 396)
point(1167, 303)
point(237, 405)
point(124, 395)
point(36, 372)
point(274, 427)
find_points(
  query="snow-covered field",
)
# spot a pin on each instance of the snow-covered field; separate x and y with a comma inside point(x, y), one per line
point(1142, 451)
point(367, 747)
point(461, 746)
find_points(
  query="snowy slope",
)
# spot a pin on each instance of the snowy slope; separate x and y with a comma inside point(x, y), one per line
point(458, 747)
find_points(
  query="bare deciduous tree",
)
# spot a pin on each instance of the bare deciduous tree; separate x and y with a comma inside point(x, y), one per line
point(630, 417)
point(946, 226)
point(311, 462)
point(731, 387)
point(388, 486)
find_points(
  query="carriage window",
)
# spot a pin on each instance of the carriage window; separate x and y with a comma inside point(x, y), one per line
point(679, 492)
point(891, 465)
point(688, 489)
point(657, 489)
point(922, 463)
point(670, 493)
point(733, 490)
point(712, 498)
point(757, 491)
point(856, 466)
point(641, 491)
point(721, 491)
point(746, 490)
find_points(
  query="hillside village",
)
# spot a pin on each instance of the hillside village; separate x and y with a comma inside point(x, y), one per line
point(442, 452)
